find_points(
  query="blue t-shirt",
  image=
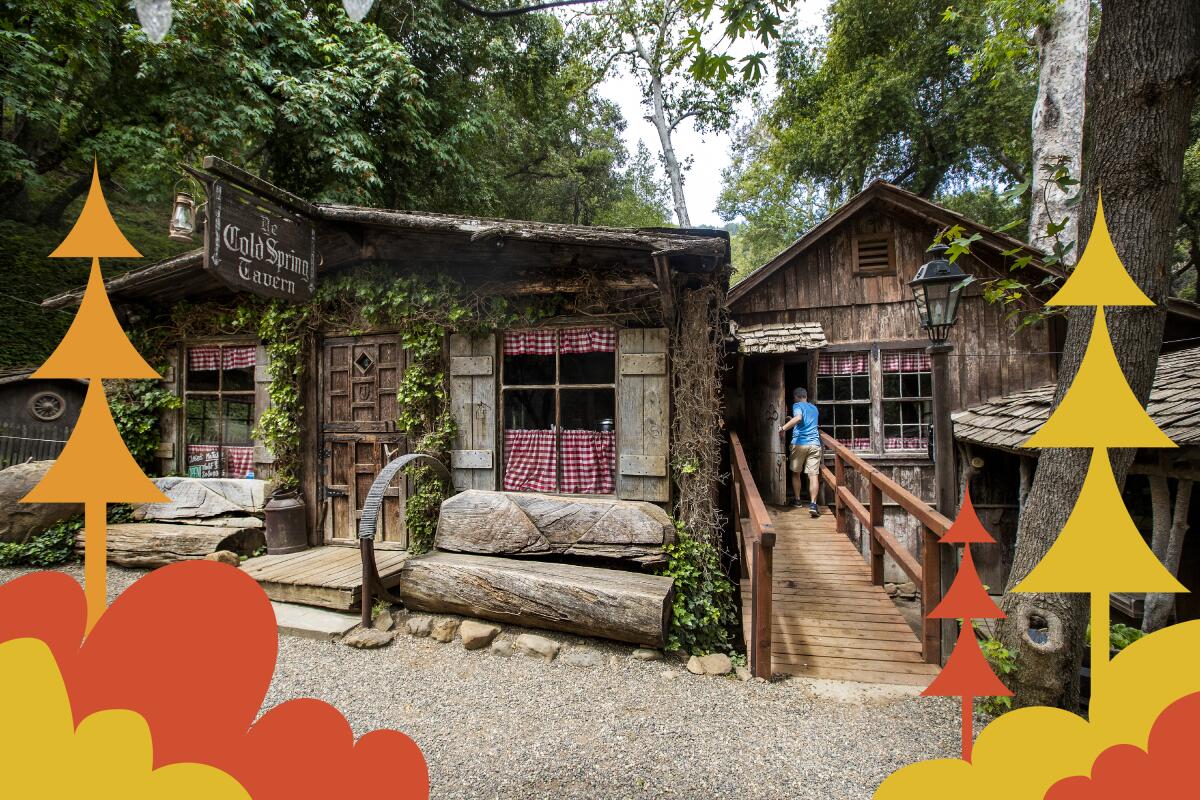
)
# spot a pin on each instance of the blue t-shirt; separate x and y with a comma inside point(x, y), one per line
point(805, 431)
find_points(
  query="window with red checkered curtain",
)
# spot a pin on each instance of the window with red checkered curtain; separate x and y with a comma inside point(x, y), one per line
point(218, 409)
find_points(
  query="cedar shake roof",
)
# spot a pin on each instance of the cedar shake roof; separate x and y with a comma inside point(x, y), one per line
point(781, 337)
point(1008, 421)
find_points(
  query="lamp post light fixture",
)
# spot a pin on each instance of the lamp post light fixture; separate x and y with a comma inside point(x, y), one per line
point(937, 289)
point(183, 218)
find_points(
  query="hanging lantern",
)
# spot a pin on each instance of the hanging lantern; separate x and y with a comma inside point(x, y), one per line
point(183, 218)
point(155, 16)
point(936, 290)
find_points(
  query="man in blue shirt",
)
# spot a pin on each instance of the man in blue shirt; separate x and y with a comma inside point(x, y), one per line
point(806, 448)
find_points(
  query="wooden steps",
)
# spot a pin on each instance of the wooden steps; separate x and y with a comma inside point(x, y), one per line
point(330, 577)
point(829, 620)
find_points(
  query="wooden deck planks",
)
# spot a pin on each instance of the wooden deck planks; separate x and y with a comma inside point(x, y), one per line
point(829, 620)
point(330, 577)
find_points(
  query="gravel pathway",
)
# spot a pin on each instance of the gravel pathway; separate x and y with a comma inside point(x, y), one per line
point(494, 727)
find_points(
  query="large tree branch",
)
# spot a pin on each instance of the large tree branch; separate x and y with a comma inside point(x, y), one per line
point(501, 13)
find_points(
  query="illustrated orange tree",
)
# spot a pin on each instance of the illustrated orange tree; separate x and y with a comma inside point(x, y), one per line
point(95, 467)
point(967, 673)
point(1099, 550)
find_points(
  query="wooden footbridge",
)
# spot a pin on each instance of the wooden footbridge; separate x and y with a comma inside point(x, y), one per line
point(812, 604)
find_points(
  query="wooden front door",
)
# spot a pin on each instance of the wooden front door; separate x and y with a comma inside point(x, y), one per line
point(359, 376)
point(766, 410)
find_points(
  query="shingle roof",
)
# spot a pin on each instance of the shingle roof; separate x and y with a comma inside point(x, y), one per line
point(1008, 421)
point(780, 337)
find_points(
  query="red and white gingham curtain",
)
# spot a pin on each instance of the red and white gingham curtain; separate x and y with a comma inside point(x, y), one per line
point(589, 459)
point(569, 340)
point(905, 443)
point(588, 340)
point(530, 464)
point(204, 359)
point(842, 363)
point(238, 357)
point(210, 358)
point(905, 361)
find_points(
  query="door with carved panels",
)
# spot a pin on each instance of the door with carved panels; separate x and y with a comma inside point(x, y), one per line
point(359, 377)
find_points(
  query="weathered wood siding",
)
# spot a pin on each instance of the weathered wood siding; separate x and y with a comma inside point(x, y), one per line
point(991, 356)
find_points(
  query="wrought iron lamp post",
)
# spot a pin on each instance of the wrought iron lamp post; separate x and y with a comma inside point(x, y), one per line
point(937, 288)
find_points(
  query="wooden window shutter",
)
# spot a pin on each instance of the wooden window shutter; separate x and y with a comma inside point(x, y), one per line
point(643, 415)
point(473, 404)
point(874, 254)
point(264, 459)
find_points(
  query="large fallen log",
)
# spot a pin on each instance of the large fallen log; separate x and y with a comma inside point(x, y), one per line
point(607, 603)
point(154, 544)
point(522, 524)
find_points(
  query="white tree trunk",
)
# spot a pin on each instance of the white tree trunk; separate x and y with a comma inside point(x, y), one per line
point(670, 160)
point(1058, 118)
point(1159, 605)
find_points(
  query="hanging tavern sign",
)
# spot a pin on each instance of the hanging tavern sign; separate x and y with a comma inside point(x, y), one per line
point(255, 245)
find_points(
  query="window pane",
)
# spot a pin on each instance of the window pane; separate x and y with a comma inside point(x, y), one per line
point(862, 414)
point(588, 409)
point(910, 385)
point(891, 384)
point(862, 387)
point(529, 409)
point(240, 379)
point(203, 368)
point(824, 388)
point(841, 387)
point(587, 367)
point(203, 420)
point(239, 420)
point(528, 370)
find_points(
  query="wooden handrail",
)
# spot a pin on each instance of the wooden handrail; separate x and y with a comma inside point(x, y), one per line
point(756, 542)
point(927, 572)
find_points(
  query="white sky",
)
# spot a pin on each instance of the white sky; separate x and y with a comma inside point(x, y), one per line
point(710, 154)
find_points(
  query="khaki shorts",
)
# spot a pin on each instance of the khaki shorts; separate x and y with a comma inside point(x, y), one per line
point(806, 458)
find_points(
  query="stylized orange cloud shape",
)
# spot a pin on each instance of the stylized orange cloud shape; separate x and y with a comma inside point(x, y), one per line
point(191, 649)
point(43, 754)
point(1164, 771)
point(1025, 752)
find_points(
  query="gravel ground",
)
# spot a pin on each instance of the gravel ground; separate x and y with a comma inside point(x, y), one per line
point(494, 727)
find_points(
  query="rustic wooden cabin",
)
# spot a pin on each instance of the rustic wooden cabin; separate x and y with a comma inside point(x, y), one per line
point(833, 313)
point(577, 407)
point(999, 469)
point(36, 416)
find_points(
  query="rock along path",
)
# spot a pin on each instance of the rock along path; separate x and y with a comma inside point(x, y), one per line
point(496, 727)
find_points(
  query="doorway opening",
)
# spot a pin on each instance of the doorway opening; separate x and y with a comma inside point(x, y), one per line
point(795, 376)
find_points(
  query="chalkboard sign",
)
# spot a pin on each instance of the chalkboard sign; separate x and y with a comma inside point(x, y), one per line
point(204, 464)
point(254, 245)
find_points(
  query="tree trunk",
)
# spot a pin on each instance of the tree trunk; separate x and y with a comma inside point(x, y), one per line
point(1058, 117)
point(608, 603)
point(670, 160)
point(1160, 605)
point(1141, 85)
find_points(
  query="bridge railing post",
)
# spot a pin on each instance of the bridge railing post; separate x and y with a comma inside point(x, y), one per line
point(931, 595)
point(876, 545)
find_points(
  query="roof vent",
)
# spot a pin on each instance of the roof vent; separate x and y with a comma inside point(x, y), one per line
point(874, 254)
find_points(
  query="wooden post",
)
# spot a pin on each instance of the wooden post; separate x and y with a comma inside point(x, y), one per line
point(762, 610)
point(931, 594)
point(876, 547)
point(947, 491)
point(839, 510)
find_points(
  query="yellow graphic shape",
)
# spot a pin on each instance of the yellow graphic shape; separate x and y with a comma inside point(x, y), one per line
point(1099, 549)
point(110, 754)
point(95, 234)
point(1099, 410)
point(1025, 752)
point(1100, 279)
point(95, 345)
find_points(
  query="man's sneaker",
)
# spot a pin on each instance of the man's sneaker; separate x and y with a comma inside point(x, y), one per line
point(813, 511)
point(798, 503)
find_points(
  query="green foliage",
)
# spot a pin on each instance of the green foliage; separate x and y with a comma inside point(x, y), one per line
point(50, 548)
point(136, 407)
point(702, 613)
point(1004, 662)
point(1120, 635)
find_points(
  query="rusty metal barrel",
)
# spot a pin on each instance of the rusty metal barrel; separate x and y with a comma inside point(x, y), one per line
point(286, 531)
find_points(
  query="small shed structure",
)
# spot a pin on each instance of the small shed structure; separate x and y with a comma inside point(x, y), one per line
point(36, 415)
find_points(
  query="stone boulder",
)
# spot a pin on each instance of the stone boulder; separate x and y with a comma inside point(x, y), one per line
point(367, 638)
point(21, 521)
point(535, 646)
point(444, 629)
point(201, 498)
point(477, 635)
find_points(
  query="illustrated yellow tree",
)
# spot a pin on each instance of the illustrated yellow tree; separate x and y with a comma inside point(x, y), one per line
point(1099, 550)
point(95, 466)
